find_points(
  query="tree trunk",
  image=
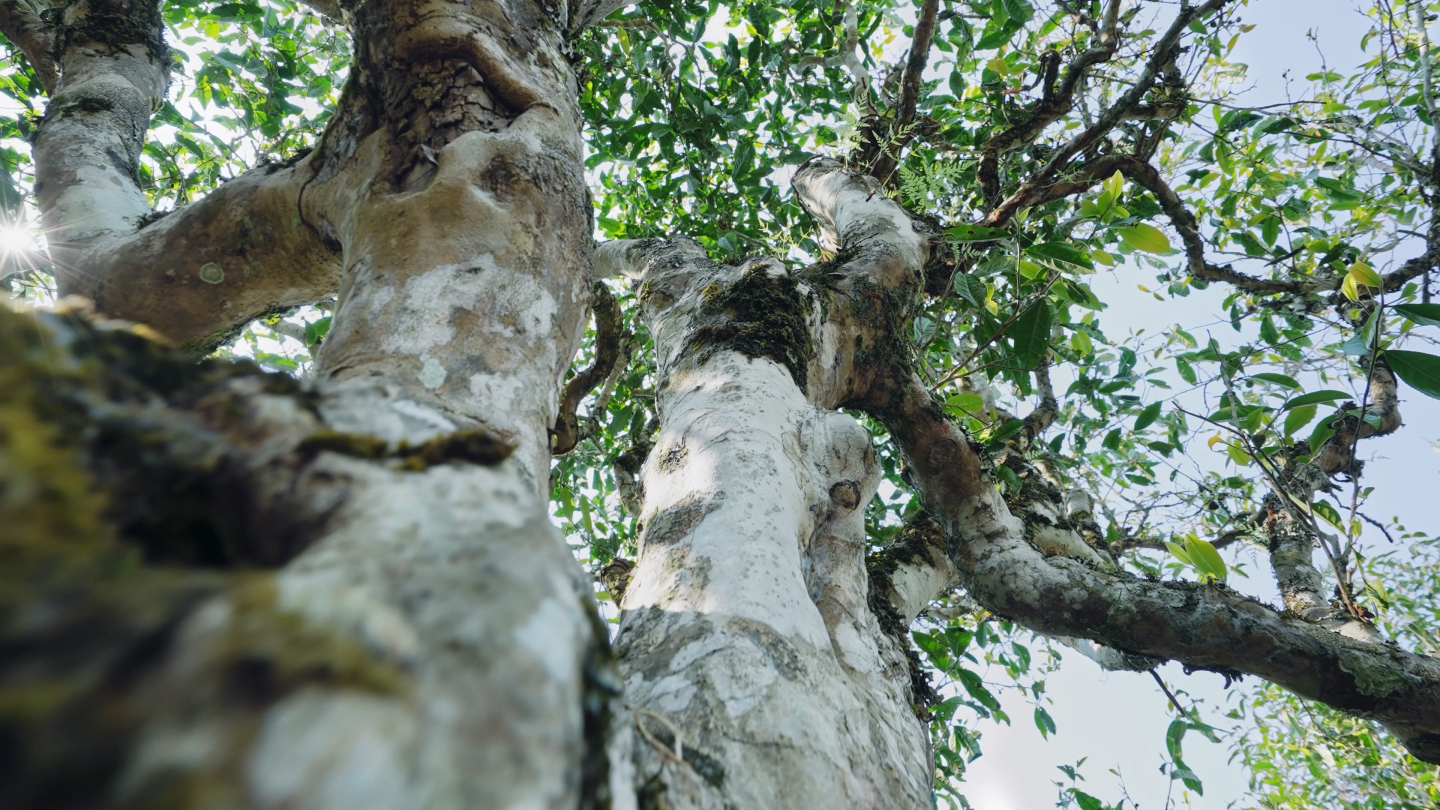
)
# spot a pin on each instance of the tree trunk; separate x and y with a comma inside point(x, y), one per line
point(747, 641)
point(430, 641)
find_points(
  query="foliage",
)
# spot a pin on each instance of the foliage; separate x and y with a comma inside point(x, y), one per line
point(1303, 755)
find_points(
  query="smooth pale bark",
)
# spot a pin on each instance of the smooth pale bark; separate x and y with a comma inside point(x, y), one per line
point(745, 625)
point(113, 73)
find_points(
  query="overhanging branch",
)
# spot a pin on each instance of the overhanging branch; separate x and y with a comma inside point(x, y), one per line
point(1202, 626)
point(1199, 625)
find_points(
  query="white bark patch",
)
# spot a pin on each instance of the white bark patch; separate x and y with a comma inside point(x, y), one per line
point(334, 751)
point(551, 635)
point(325, 599)
point(432, 374)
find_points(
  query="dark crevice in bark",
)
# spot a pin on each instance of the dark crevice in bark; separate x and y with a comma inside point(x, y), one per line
point(602, 710)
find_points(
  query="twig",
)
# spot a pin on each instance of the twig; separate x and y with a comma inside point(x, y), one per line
point(1168, 693)
point(678, 754)
point(566, 433)
point(887, 147)
point(1377, 524)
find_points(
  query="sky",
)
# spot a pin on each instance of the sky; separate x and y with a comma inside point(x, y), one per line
point(1118, 720)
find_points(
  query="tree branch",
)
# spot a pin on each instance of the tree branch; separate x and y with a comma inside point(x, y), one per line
point(1202, 626)
point(22, 25)
point(566, 433)
point(1054, 103)
point(198, 274)
point(250, 247)
point(886, 148)
point(1092, 172)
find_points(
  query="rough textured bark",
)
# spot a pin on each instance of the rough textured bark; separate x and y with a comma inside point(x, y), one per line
point(746, 621)
point(400, 498)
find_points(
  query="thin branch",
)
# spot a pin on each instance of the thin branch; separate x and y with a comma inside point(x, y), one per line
point(566, 433)
point(887, 156)
point(1165, 51)
point(1038, 420)
point(1173, 701)
point(1055, 102)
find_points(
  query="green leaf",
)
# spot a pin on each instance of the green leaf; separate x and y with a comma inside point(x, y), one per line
point(1349, 288)
point(977, 690)
point(1187, 371)
point(1087, 802)
point(975, 233)
point(1420, 371)
point(1329, 513)
point(1114, 185)
point(1184, 774)
point(1423, 314)
point(1180, 553)
point(1006, 431)
point(1031, 334)
point(1063, 256)
point(972, 289)
point(1314, 397)
point(1298, 418)
point(1206, 557)
point(1112, 440)
point(1364, 274)
point(1077, 294)
point(1278, 379)
point(317, 330)
point(1267, 330)
point(1147, 417)
point(1146, 237)
point(1044, 722)
point(967, 402)
point(1322, 432)
point(1009, 478)
point(1174, 734)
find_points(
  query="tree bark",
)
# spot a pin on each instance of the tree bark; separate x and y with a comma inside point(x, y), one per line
point(419, 634)
point(746, 630)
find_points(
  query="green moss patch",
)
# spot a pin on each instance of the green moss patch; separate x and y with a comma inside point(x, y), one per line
point(760, 315)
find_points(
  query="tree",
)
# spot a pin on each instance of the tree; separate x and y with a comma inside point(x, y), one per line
point(230, 587)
